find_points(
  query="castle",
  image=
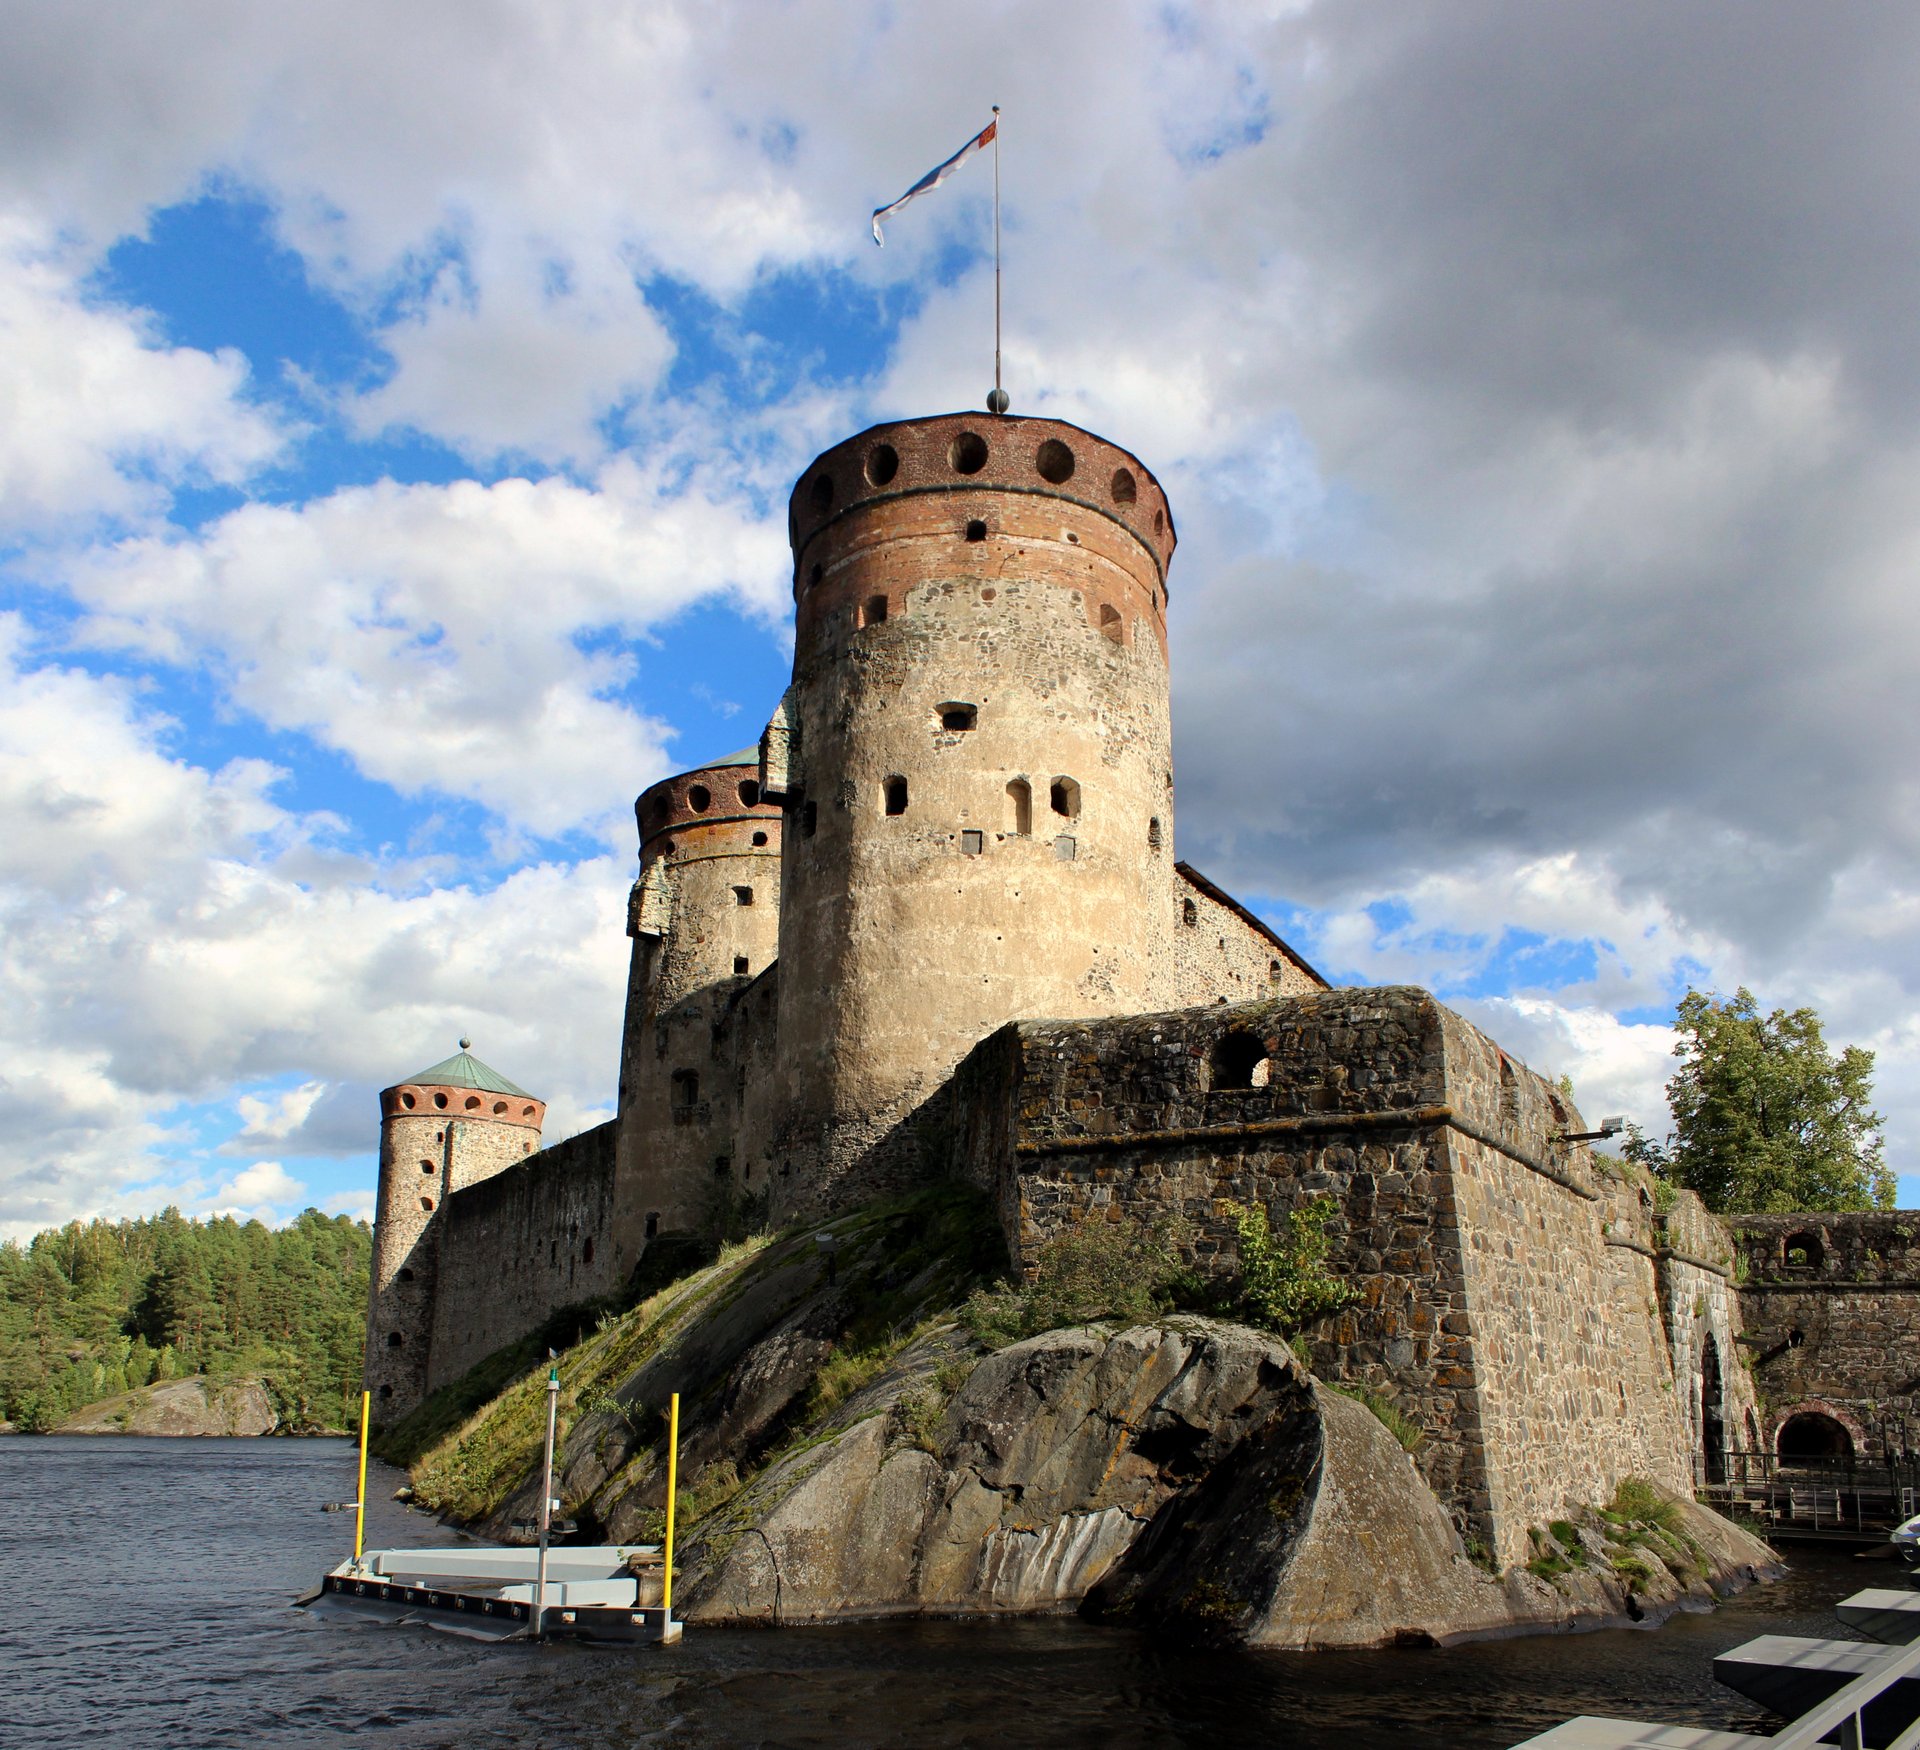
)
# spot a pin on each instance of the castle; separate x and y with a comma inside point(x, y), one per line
point(932, 926)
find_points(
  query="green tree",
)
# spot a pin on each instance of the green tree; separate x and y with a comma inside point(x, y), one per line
point(1764, 1116)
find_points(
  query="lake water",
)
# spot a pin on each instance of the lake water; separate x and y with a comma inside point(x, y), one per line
point(145, 1585)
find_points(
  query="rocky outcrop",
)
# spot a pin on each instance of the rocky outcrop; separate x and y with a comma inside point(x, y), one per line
point(180, 1407)
point(1194, 1477)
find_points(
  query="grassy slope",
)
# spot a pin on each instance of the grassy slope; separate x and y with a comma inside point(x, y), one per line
point(900, 1266)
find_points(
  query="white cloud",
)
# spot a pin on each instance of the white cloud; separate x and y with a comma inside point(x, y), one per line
point(98, 417)
point(434, 633)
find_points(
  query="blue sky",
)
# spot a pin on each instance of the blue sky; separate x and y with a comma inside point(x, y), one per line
point(396, 418)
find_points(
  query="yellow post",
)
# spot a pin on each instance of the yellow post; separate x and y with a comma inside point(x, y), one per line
point(360, 1502)
point(673, 1486)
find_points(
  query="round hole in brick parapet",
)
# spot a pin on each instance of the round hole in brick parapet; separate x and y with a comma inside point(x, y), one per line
point(499, 1106)
point(526, 1111)
point(883, 462)
point(749, 792)
point(440, 1100)
point(967, 454)
point(1055, 462)
point(407, 1101)
point(976, 530)
point(820, 494)
point(1124, 490)
point(473, 1102)
point(759, 838)
point(699, 798)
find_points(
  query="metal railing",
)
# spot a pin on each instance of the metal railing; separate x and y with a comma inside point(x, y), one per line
point(1824, 1494)
point(1846, 1707)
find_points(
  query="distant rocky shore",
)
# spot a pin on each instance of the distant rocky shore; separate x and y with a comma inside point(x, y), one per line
point(184, 1407)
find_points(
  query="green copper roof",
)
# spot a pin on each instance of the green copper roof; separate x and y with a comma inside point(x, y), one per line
point(467, 1071)
point(747, 756)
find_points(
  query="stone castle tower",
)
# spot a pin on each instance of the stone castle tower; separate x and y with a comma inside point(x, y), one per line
point(704, 916)
point(975, 758)
point(442, 1130)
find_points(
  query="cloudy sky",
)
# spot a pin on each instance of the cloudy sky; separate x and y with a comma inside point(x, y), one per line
point(397, 406)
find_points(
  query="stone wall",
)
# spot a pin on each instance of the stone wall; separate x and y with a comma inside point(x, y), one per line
point(1492, 1311)
point(519, 1246)
point(1215, 950)
point(1831, 1304)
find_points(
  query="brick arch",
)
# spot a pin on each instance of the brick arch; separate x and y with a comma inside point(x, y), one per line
point(1778, 1419)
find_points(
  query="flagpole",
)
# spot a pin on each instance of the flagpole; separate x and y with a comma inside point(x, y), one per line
point(998, 394)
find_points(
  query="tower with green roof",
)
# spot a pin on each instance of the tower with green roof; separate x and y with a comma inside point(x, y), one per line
point(450, 1126)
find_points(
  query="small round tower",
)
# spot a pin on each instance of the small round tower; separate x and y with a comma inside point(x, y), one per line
point(448, 1127)
point(980, 783)
point(705, 920)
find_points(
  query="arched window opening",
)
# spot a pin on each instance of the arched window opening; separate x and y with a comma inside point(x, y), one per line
point(1020, 806)
point(1812, 1438)
point(896, 794)
point(1275, 972)
point(1124, 490)
point(739, 966)
point(749, 792)
point(1189, 913)
point(686, 1088)
point(1153, 833)
point(406, 1273)
point(1065, 798)
point(394, 1339)
point(1802, 1251)
point(1236, 1058)
point(699, 798)
point(958, 718)
point(1111, 625)
point(743, 896)
point(976, 530)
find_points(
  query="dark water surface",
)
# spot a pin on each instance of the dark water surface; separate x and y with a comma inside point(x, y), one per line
point(144, 1588)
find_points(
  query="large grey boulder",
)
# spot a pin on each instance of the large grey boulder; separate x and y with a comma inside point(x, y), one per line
point(1192, 1477)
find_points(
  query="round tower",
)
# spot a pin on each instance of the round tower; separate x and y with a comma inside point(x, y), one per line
point(448, 1127)
point(705, 919)
point(980, 783)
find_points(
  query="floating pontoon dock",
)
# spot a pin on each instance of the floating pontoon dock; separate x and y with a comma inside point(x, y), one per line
point(1858, 1694)
point(605, 1592)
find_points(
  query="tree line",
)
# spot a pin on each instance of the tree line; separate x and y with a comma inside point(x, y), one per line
point(96, 1308)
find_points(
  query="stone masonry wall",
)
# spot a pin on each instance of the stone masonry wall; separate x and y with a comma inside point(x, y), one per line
point(1831, 1304)
point(1214, 950)
point(517, 1247)
point(1491, 1311)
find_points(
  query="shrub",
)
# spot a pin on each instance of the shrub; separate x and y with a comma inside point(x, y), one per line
point(1395, 1420)
point(1284, 1281)
point(1640, 1501)
point(1099, 1270)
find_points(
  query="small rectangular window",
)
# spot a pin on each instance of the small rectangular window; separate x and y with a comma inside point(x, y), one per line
point(1065, 848)
point(740, 966)
point(972, 843)
point(896, 795)
point(743, 896)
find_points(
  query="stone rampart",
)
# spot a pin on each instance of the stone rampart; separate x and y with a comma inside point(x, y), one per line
point(516, 1247)
point(1491, 1310)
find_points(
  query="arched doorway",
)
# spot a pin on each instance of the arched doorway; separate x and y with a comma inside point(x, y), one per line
point(1809, 1437)
point(1713, 1411)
